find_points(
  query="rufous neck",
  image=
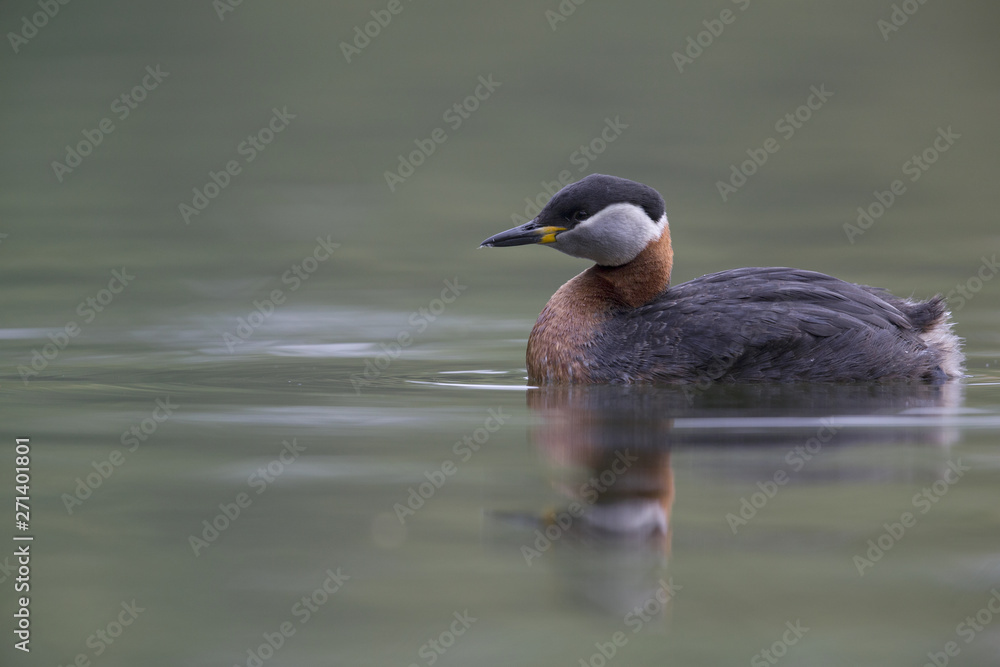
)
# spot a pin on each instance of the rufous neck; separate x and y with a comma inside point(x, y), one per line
point(640, 281)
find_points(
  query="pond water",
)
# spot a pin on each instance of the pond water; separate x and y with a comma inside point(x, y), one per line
point(276, 399)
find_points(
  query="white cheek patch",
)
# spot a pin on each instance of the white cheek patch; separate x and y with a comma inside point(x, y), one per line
point(612, 237)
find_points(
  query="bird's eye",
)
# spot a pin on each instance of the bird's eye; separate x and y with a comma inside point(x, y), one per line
point(580, 216)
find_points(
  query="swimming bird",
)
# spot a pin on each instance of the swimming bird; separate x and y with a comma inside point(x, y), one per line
point(621, 321)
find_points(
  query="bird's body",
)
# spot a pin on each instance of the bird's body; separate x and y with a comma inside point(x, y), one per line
point(621, 321)
point(741, 325)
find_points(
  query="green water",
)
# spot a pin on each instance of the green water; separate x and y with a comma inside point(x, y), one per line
point(226, 313)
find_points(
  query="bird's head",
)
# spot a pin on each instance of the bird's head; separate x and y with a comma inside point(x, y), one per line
point(606, 219)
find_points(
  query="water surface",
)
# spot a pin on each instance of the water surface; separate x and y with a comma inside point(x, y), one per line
point(298, 420)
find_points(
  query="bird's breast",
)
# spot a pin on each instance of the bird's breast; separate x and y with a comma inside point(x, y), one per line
point(565, 343)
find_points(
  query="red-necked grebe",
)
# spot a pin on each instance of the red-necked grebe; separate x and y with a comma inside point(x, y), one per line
point(620, 321)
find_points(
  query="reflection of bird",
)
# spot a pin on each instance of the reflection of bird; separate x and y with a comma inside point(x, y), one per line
point(617, 523)
point(620, 321)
